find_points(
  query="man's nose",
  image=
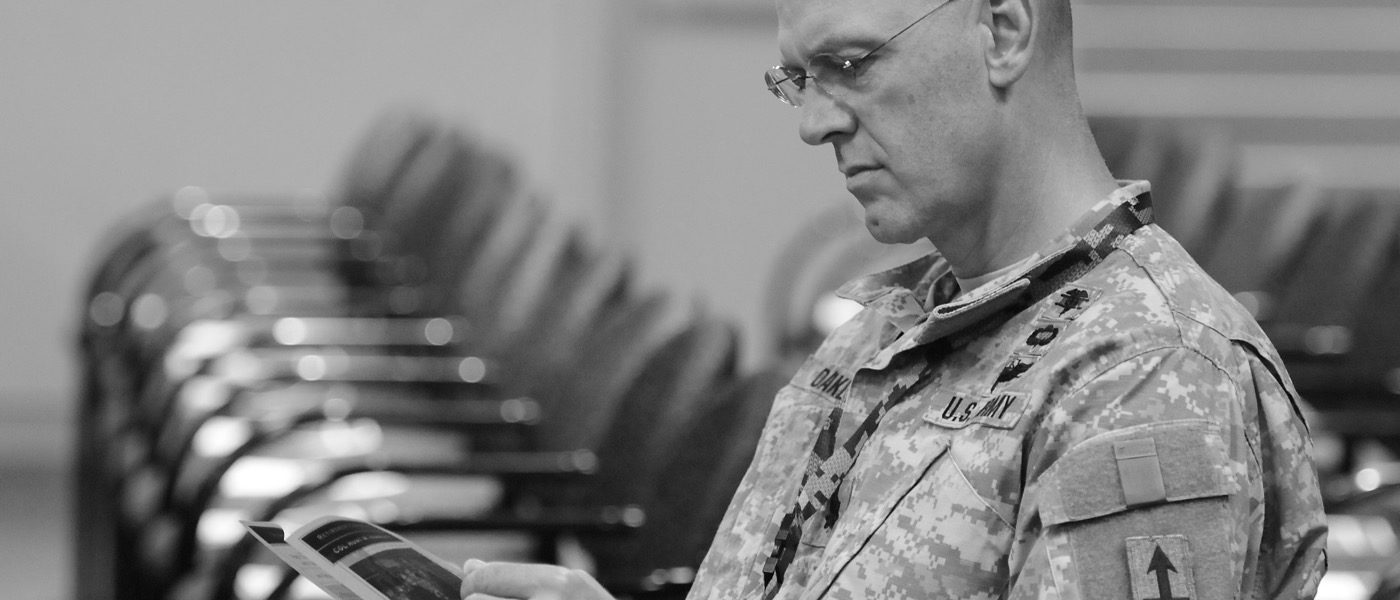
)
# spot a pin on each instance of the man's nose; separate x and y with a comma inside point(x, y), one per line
point(823, 117)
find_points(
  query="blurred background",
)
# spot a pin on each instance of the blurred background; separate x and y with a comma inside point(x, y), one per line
point(644, 123)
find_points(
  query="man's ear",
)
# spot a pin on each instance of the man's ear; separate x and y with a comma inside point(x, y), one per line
point(1013, 25)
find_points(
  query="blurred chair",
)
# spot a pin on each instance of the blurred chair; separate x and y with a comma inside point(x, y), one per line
point(134, 318)
point(1192, 169)
point(1317, 316)
point(1268, 232)
point(432, 324)
point(699, 471)
point(578, 390)
point(800, 306)
point(424, 182)
point(683, 378)
point(1350, 324)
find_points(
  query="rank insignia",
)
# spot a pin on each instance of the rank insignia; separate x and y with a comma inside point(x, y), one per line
point(1014, 368)
point(1160, 567)
point(1071, 301)
point(1043, 333)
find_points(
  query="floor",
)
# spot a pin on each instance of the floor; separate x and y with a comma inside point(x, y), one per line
point(35, 529)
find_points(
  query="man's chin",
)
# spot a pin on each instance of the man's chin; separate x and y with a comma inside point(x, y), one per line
point(882, 218)
point(885, 233)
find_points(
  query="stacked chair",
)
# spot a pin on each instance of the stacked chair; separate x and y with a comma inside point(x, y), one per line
point(432, 348)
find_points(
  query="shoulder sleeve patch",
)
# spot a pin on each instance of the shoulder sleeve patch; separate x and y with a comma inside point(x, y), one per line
point(1137, 466)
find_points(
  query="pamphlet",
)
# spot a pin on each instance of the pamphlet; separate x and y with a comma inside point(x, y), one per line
point(355, 560)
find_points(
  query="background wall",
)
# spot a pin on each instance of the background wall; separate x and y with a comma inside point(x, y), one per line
point(106, 106)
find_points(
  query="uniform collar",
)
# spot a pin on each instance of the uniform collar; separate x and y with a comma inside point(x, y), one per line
point(921, 292)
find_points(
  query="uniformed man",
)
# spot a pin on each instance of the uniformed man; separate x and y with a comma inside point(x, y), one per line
point(1059, 403)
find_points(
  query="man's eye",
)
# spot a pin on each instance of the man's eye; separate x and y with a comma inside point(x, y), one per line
point(856, 66)
point(838, 68)
point(827, 63)
point(798, 77)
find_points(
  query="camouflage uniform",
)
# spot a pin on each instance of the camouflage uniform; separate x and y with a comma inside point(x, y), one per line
point(1129, 434)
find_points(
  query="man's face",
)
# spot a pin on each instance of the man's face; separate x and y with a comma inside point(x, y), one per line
point(913, 136)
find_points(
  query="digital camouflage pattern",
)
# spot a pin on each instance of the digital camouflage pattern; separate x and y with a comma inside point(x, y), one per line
point(1134, 416)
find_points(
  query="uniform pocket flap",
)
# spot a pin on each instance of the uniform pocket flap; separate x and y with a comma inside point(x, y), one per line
point(1137, 466)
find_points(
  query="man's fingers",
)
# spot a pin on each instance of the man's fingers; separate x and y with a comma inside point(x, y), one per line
point(490, 581)
point(513, 580)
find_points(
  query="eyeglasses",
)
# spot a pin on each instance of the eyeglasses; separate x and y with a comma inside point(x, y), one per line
point(832, 75)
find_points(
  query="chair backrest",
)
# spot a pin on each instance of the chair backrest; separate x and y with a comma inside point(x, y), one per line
point(418, 205)
point(685, 378)
point(492, 187)
point(1343, 261)
point(702, 470)
point(579, 393)
point(534, 283)
point(559, 290)
point(832, 248)
point(1376, 328)
point(1192, 170)
point(1267, 233)
point(603, 286)
point(588, 286)
point(378, 164)
point(127, 246)
point(381, 157)
point(485, 272)
point(681, 379)
point(1337, 326)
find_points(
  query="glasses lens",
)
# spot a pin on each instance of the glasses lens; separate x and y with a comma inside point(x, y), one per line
point(782, 85)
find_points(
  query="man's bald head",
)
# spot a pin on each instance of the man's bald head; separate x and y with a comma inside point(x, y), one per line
point(946, 116)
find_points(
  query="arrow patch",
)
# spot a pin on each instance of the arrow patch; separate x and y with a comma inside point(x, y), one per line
point(1160, 567)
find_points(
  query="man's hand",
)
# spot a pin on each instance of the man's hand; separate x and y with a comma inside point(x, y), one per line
point(495, 580)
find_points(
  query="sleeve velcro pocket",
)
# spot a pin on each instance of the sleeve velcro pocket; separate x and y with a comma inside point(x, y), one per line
point(1137, 466)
